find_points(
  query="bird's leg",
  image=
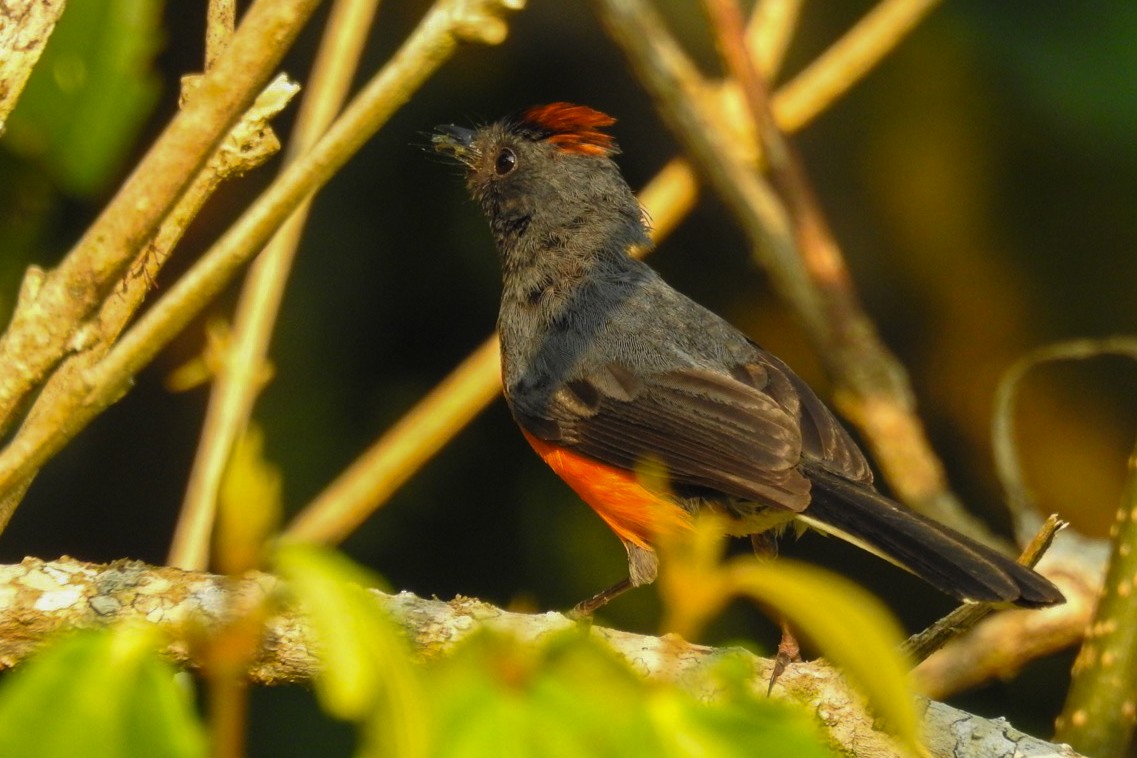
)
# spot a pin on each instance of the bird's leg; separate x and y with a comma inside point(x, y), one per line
point(788, 652)
point(586, 608)
point(765, 547)
point(643, 566)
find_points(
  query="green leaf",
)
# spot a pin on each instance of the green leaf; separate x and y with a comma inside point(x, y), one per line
point(736, 730)
point(736, 722)
point(567, 697)
point(853, 630)
point(88, 97)
point(573, 697)
point(98, 694)
point(248, 505)
point(367, 675)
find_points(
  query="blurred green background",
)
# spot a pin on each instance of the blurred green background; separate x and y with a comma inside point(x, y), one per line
point(982, 181)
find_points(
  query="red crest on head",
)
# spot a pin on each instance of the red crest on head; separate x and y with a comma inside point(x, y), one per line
point(571, 128)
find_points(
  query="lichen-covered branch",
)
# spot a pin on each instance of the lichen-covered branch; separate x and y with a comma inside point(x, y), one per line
point(40, 598)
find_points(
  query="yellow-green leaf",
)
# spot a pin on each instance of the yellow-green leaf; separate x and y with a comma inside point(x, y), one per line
point(98, 694)
point(366, 675)
point(572, 696)
point(248, 505)
point(852, 629)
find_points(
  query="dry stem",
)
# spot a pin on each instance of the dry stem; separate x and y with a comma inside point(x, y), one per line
point(53, 307)
point(447, 24)
point(243, 365)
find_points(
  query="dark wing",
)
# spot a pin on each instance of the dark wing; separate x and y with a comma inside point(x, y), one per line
point(824, 442)
point(712, 432)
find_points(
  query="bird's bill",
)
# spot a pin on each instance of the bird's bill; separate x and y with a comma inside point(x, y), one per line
point(453, 141)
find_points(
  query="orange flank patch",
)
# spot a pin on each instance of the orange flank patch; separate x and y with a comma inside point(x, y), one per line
point(632, 511)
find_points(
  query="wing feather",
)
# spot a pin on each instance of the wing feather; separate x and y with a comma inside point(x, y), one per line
point(711, 431)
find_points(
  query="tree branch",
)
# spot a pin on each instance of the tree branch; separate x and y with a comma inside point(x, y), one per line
point(1002, 644)
point(243, 366)
point(53, 306)
point(967, 616)
point(250, 143)
point(446, 25)
point(39, 598)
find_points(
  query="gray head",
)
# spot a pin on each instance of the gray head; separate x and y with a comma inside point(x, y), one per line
point(543, 174)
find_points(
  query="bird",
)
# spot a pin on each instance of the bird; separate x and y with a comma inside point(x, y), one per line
point(607, 369)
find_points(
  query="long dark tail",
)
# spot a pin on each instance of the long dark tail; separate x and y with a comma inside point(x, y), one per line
point(946, 559)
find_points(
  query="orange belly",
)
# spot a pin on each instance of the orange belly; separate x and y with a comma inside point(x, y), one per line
point(634, 512)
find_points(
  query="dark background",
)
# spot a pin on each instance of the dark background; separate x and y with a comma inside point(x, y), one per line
point(982, 182)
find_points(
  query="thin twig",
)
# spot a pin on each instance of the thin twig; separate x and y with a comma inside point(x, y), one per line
point(249, 144)
point(1003, 643)
point(434, 40)
point(374, 476)
point(845, 62)
point(769, 32)
point(51, 309)
point(814, 240)
point(241, 376)
point(964, 618)
point(671, 194)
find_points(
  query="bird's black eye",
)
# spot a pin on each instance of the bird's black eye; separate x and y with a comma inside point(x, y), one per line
point(506, 161)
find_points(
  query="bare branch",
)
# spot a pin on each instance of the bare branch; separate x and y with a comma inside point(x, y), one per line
point(53, 307)
point(243, 367)
point(448, 23)
point(250, 143)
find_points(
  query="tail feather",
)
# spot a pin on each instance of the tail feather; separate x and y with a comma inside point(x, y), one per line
point(951, 562)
